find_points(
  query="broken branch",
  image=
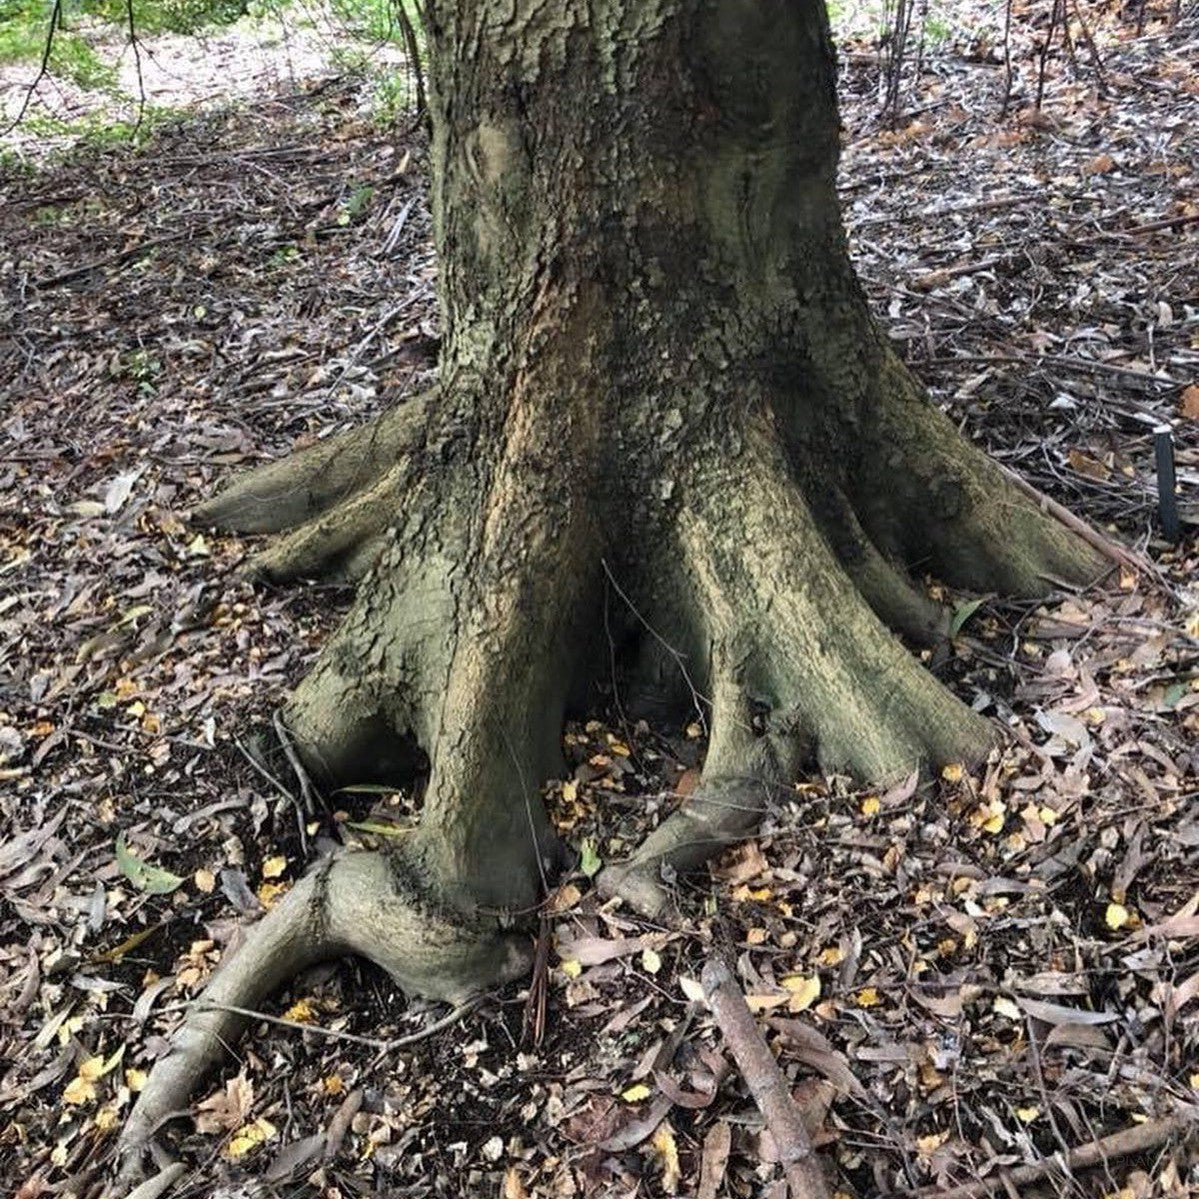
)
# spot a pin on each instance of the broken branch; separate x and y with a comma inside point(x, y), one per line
point(765, 1081)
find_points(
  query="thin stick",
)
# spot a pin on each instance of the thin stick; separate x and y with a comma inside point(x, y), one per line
point(42, 70)
point(765, 1081)
point(337, 1035)
point(1105, 545)
point(1118, 1144)
point(306, 789)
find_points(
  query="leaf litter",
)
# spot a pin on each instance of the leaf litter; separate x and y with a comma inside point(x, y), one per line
point(957, 978)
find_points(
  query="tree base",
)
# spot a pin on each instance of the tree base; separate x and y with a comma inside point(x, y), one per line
point(754, 578)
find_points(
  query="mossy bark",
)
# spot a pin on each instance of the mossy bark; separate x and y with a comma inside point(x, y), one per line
point(658, 365)
point(659, 375)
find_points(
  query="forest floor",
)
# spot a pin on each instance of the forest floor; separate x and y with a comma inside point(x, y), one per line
point(960, 978)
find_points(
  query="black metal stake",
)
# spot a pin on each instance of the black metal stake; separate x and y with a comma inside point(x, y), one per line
point(1167, 503)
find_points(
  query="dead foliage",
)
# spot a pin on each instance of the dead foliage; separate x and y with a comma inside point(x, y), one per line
point(957, 979)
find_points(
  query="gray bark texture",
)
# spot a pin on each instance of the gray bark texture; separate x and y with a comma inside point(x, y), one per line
point(659, 382)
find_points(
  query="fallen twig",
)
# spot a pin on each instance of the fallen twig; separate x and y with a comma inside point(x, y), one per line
point(307, 791)
point(111, 260)
point(335, 1034)
point(1105, 545)
point(1118, 1144)
point(765, 1081)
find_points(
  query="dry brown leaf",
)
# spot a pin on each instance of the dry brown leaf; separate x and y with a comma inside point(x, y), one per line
point(226, 1109)
point(714, 1159)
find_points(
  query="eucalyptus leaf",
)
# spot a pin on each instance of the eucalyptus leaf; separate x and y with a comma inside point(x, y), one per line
point(151, 879)
point(590, 861)
point(963, 612)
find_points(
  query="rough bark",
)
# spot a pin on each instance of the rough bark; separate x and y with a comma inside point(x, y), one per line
point(659, 375)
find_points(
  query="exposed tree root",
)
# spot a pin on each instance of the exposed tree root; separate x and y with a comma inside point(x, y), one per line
point(780, 586)
point(361, 903)
point(337, 497)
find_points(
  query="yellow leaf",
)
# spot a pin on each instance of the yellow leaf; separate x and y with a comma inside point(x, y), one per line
point(274, 867)
point(136, 709)
point(106, 1118)
point(868, 997)
point(763, 1003)
point(651, 963)
point(927, 1146)
point(135, 1079)
point(268, 894)
point(334, 1084)
point(619, 749)
point(805, 990)
point(571, 968)
point(91, 1069)
point(1095, 715)
point(1028, 1114)
point(832, 955)
point(247, 1138)
point(79, 1090)
point(1116, 916)
point(871, 805)
point(570, 790)
point(636, 1093)
point(513, 1187)
point(668, 1150)
point(1005, 1007)
point(301, 1012)
point(953, 772)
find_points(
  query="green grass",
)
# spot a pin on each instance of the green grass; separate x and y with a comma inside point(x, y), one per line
point(23, 28)
point(87, 29)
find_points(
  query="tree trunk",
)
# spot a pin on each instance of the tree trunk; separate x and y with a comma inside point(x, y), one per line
point(660, 379)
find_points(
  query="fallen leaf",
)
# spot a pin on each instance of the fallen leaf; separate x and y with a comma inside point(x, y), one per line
point(668, 1151)
point(1005, 1007)
point(805, 990)
point(249, 1137)
point(274, 867)
point(151, 879)
point(1188, 402)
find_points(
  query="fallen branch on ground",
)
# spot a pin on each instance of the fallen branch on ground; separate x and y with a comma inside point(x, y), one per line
point(765, 1081)
point(1119, 1144)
